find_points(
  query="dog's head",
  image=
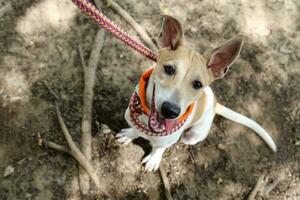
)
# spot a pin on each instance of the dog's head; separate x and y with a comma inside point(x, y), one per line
point(181, 73)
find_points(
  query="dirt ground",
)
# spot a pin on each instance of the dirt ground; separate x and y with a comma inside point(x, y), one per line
point(39, 41)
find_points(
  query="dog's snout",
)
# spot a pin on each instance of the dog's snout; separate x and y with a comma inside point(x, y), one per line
point(170, 110)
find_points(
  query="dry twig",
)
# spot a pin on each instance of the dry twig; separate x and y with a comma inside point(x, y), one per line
point(272, 185)
point(57, 147)
point(262, 187)
point(166, 183)
point(51, 91)
point(74, 150)
point(144, 36)
point(260, 184)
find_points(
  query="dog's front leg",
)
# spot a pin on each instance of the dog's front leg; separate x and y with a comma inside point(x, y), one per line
point(153, 159)
point(125, 136)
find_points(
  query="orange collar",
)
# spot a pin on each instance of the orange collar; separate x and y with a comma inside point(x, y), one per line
point(142, 95)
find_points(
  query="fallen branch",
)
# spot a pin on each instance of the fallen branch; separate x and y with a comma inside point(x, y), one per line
point(166, 184)
point(73, 149)
point(88, 98)
point(144, 36)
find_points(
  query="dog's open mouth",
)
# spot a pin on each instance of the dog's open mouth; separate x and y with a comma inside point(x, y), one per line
point(156, 122)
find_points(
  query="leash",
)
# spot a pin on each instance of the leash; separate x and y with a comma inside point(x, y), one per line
point(97, 16)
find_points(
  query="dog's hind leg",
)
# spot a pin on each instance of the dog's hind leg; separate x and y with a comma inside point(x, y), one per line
point(197, 133)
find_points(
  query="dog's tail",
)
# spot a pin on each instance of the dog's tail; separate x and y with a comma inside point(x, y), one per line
point(234, 116)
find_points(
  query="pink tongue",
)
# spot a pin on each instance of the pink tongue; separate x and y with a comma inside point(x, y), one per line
point(155, 123)
point(170, 124)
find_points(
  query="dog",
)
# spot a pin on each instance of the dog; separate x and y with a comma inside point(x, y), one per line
point(173, 100)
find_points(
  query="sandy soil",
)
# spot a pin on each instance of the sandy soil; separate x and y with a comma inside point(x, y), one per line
point(39, 41)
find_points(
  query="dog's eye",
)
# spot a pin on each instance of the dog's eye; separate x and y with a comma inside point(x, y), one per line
point(170, 70)
point(197, 84)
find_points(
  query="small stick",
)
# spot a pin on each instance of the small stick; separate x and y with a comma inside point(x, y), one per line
point(57, 147)
point(192, 157)
point(144, 36)
point(80, 51)
point(51, 91)
point(272, 185)
point(257, 188)
point(165, 183)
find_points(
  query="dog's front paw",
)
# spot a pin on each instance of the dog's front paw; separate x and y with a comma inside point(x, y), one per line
point(152, 160)
point(126, 136)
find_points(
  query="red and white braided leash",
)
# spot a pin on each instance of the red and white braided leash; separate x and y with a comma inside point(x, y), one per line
point(90, 10)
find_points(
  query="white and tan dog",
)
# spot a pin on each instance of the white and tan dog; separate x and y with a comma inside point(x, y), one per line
point(178, 101)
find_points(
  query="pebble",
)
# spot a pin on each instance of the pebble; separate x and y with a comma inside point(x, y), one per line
point(105, 129)
point(193, 30)
point(205, 165)
point(221, 146)
point(220, 180)
point(8, 171)
point(28, 195)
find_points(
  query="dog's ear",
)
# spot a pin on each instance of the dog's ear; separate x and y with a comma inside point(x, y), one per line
point(171, 35)
point(222, 57)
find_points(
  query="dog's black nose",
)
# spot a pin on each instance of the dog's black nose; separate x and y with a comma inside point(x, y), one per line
point(170, 110)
